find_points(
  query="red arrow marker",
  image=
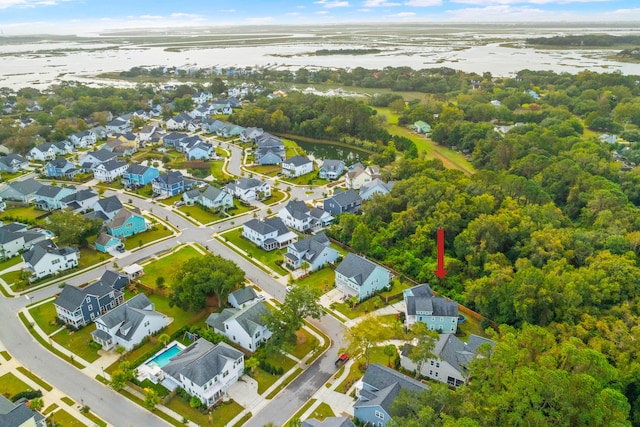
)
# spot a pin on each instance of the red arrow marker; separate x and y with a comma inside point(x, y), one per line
point(440, 272)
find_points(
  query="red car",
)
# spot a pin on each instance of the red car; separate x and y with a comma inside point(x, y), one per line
point(342, 359)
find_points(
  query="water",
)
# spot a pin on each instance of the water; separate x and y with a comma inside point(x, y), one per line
point(161, 359)
point(321, 152)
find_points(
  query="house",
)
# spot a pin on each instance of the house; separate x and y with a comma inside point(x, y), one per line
point(21, 191)
point(174, 139)
point(145, 133)
point(13, 163)
point(83, 139)
point(11, 242)
point(137, 175)
point(49, 197)
point(270, 150)
point(248, 189)
point(376, 392)
point(211, 126)
point(250, 134)
point(215, 198)
point(452, 357)
point(609, 139)
point(120, 148)
point(114, 279)
point(109, 170)
point(438, 313)
point(377, 186)
point(358, 175)
point(187, 142)
point(421, 127)
point(200, 98)
point(328, 422)
point(3, 205)
point(80, 201)
point(297, 166)
point(43, 152)
point(360, 277)
point(313, 250)
point(46, 258)
point(170, 184)
point(269, 234)
point(496, 103)
point(60, 168)
point(179, 121)
point(141, 114)
point(126, 223)
point(343, 201)
point(107, 208)
point(128, 324)
point(229, 130)
point(78, 307)
point(106, 243)
point(297, 215)
point(242, 297)
point(199, 151)
point(331, 169)
point(243, 326)
point(19, 414)
point(90, 160)
point(119, 125)
point(204, 370)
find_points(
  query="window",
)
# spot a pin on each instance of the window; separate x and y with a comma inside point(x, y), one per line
point(432, 363)
point(430, 372)
point(437, 364)
point(453, 320)
point(90, 307)
point(55, 261)
point(225, 373)
point(379, 415)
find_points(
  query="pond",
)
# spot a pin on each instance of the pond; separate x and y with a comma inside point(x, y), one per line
point(317, 151)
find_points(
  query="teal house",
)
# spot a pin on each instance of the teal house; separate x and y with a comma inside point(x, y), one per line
point(126, 223)
point(421, 127)
point(106, 242)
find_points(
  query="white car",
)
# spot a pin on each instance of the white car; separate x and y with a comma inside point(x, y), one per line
point(288, 288)
point(260, 298)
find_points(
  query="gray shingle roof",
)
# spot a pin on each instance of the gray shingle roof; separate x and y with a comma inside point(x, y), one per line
point(297, 208)
point(26, 186)
point(7, 236)
point(297, 161)
point(103, 155)
point(137, 169)
point(333, 165)
point(37, 252)
point(268, 225)
point(50, 191)
point(245, 294)
point(268, 140)
point(421, 298)
point(59, 162)
point(110, 204)
point(201, 361)
point(346, 198)
point(113, 164)
point(328, 422)
point(356, 267)
point(16, 414)
point(211, 193)
point(120, 218)
point(171, 177)
point(388, 384)
point(246, 183)
point(114, 279)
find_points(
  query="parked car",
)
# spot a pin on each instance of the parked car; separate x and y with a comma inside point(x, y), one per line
point(288, 288)
point(342, 359)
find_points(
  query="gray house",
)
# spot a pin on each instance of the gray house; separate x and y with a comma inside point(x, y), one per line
point(80, 306)
point(376, 392)
point(22, 191)
point(313, 250)
point(328, 422)
point(377, 186)
point(331, 169)
point(344, 201)
point(438, 313)
point(13, 163)
point(357, 276)
point(19, 414)
point(242, 297)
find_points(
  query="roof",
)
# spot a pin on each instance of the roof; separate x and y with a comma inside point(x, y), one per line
point(102, 155)
point(201, 361)
point(16, 414)
point(7, 236)
point(388, 384)
point(59, 162)
point(454, 351)
point(250, 318)
point(37, 252)
point(104, 238)
point(298, 209)
point(268, 225)
point(137, 169)
point(328, 422)
point(50, 190)
point(112, 164)
point(110, 204)
point(211, 192)
point(297, 161)
point(310, 242)
point(268, 140)
point(356, 267)
point(245, 183)
point(114, 279)
point(131, 311)
point(421, 298)
point(26, 186)
point(120, 218)
point(333, 165)
point(171, 177)
point(71, 297)
point(79, 196)
point(346, 198)
point(375, 183)
point(245, 294)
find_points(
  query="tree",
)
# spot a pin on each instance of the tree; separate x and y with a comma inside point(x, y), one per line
point(390, 351)
point(195, 402)
point(164, 339)
point(299, 303)
point(364, 336)
point(305, 266)
point(251, 364)
point(120, 376)
point(73, 229)
point(36, 404)
point(201, 277)
point(151, 399)
point(424, 342)
point(120, 350)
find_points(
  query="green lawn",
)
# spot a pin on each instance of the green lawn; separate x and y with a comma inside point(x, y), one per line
point(471, 326)
point(12, 277)
point(365, 307)
point(322, 280)
point(220, 416)
point(264, 379)
point(169, 201)
point(216, 170)
point(376, 356)
point(322, 411)
point(10, 262)
point(78, 342)
point(33, 377)
point(21, 213)
point(199, 213)
point(89, 257)
point(305, 344)
point(12, 385)
point(276, 196)
point(397, 286)
point(269, 170)
point(63, 418)
point(151, 235)
point(45, 317)
point(308, 179)
point(180, 316)
point(267, 257)
point(167, 266)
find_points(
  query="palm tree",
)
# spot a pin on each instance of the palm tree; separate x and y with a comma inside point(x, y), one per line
point(164, 339)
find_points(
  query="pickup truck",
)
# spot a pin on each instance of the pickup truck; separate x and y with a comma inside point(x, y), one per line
point(342, 359)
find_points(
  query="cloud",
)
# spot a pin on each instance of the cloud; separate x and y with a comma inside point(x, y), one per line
point(330, 4)
point(185, 15)
point(151, 17)
point(5, 4)
point(423, 3)
point(513, 2)
point(293, 14)
point(321, 12)
point(260, 20)
point(380, 3)
point(506, 13)
point(404, 14)
point(364, 10)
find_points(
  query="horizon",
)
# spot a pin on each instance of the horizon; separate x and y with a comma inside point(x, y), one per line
point(77, 17)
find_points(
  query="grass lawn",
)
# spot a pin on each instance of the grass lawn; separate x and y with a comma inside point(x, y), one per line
point(376, 356)
point(365, 307)
point(63, 418)
point(148, 236)
point(471, 326)
point(269, 170)
point(267, 257)
point(276, 196)
point(21, 213)
point(221, 414)
point(397, 286)
point(12, 277)
point(308, 179)
point(239, 209)
point(89, 257)
point(167, 266)
point(322, 411)
point(216, 170)
point(10, 262)
point(305, 344)
point(169, 201)
point(12, 385)
point(264, 379)
point(45, 317)
point(322, 280)
point(180, 317)
point(200, 214)
point(78, 342)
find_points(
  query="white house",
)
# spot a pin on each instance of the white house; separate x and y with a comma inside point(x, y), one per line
point(204, 370)
point(452, 357)
point(358, 175)
point(297, 215)
point(248, 189)
point(357, 276)
point(11, 242)
point(244, 326)
point(331, 169)
point(250, 134)
point(297, 166)
point(269, 234)
point(242, 297)
point(377, 186)
point(313, 250)
point(179, 122)
point(128, 324)
point(45, 258)
point(109, 170)
point(83, 139)
point(43, 152)
point(214, 198)
point(80, 201)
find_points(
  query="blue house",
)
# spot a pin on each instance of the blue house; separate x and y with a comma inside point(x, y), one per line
point(170, 184)
point(106, 242)
point(270, 150)
point(331, 169)
point(357, 276)
point(49, 197)
point(138, 175)
point(377, 186)
point(438, 313)
point(199, 151)
point(60, 168)
point(343, 201)
point(126, 223)
point(78, 307)
point(376, 392)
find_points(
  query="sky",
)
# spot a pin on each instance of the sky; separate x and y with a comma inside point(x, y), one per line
point(19, 17)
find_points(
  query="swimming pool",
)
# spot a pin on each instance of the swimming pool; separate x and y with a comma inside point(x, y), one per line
point(163, 357)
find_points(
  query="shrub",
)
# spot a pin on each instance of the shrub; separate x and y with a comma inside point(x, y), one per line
point(28, 394)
